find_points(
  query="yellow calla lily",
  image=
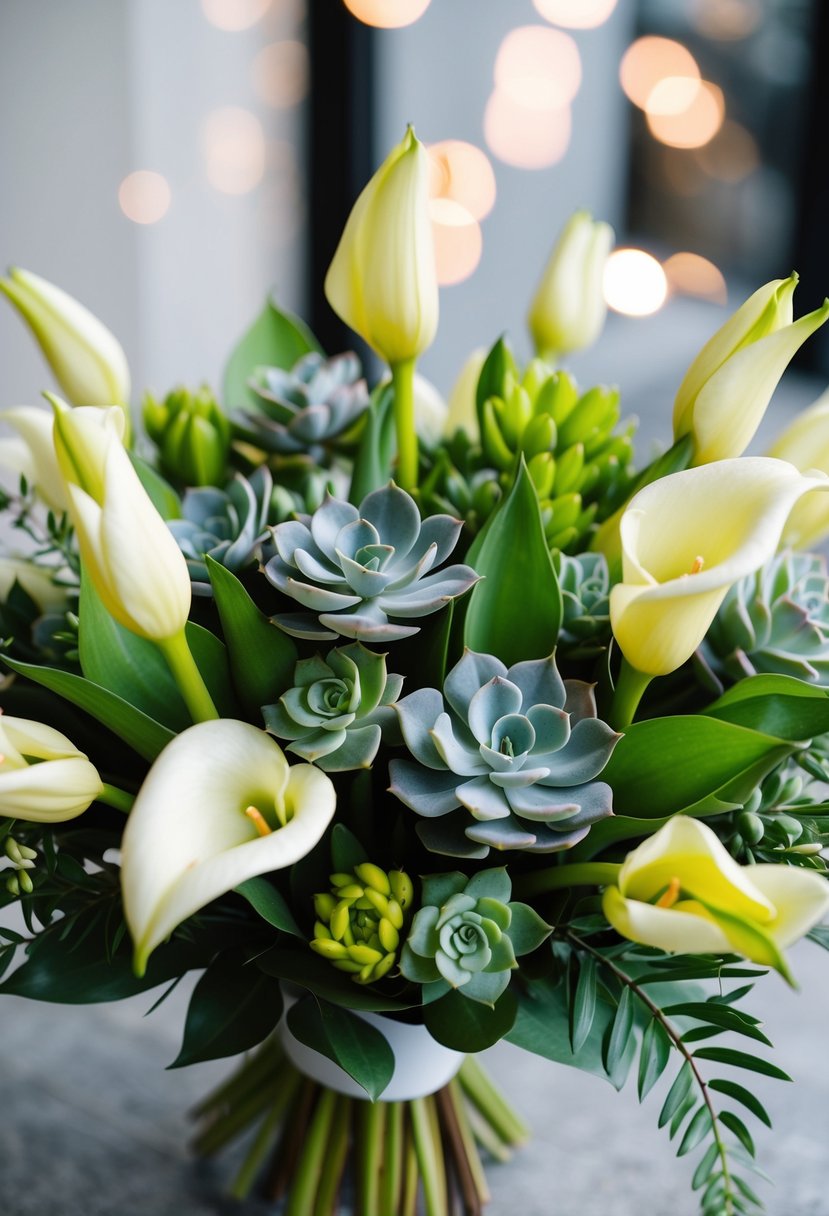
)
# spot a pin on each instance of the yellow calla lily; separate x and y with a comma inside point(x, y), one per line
point(127, 549)
point(220, 805)
point(569, 309)
point(682, 891)
point(382, 280)
point(685, 540)
point(44, 778)
point(727, 388)
point(805, 444)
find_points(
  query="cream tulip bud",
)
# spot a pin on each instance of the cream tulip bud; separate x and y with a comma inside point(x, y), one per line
point(37, 581)
point(220, 805)
point(682, 891)
point(568, 310)
point(727, 388)
point(87, 360)
point(44, 778)
point(685, 540)
point(36, 459)
point(805, 444)
point(382, 280)
point(462, 414)
point(127, 549)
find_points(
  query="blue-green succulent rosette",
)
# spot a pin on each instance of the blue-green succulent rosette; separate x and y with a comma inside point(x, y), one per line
point(504, 758)
point(466, 935)
point(354, 568)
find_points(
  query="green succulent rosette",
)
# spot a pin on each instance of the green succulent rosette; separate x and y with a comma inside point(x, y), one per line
point(338, 709)
point(359, 921)
point(192, 434)
point(467, 935)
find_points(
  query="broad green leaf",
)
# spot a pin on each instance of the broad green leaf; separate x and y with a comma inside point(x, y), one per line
point(373, 462)
point(677, 1094)
point(583, 1004)
point(136, 728)
point(359, 1048)
point(515, 611)
point(261, 656)
point(666, 765)
point(270, 903)
point(780, 706)
point(276, 339)
point(739, 1129)
point(542, 1027)
point(466, 1025)
point(315, 974)
point(741, 1059)
point(210, 655)
point(162, 495)
point(234, 1007)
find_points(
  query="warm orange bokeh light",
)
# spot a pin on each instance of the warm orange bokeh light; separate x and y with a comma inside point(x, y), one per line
point(693, 275)
point(458, 240)
point(144, 196)
point(524, 136)
point(576, 14)
point(649, 60)
point(672, 95)
point(727, 20)
point(233, 15)
point(537, 67)
point(732, 155)
point(387, 14)
point(233, 143)
point(462, 172)
point(280, 74)
point(693, 127)
point(634, 283)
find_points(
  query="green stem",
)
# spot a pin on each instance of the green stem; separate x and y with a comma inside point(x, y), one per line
point(491, 1103)
point(469, 1145)
point(110, 795)
point(255, 1069)
point(262, 1144)
point(392, 1175)
point(402, 376)
point(370, 1156)
point(579, 874)
point(429, 1160)
point(335, 1157)
point(630, 688)
point(188, 677)
point(307, 1173)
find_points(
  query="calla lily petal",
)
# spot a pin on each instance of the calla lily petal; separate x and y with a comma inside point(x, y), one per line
point(805, 444)
point(220, 805)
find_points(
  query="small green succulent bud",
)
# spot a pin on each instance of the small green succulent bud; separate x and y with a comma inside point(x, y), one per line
point(191, 433)
point(359, 921)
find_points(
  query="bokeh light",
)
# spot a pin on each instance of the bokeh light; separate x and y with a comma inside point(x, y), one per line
point(463, 173)
point(458, 240)
point(387, 14)
point(692, 127)
point(576, 14)
point(693, 275)
point(726, 20)
point(649, 60)
point(234, 15)
point(144, 196)
point(672, 95)
point(524, 136)
point(634, 283)
point(538, 67)
point(280, 74)
point(732, 155)
point(233, 143)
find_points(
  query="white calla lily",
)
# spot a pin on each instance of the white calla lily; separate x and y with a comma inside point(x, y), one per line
point(88, 361)
point(44, 778)
point(685, 540)
point(805, 444)
point(569, 309)
point(39, 463)
point(220, 805)
point(682, 891)
point(127, 549)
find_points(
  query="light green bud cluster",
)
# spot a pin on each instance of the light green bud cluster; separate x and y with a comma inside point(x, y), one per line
point(359, 921)
point(192, 435)
point(23, 860)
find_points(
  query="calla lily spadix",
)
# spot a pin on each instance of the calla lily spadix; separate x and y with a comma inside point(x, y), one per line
point(805, 444)
point(685, 540)
point(682, 891)
point(44, 778)
point(220, 805)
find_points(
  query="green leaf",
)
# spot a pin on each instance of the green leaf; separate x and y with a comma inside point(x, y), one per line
point(583, 1005)
point(542, 1027)
point(276, 339)
point(696, 1131)
point(515, 611)
point(372, 465)
point(466, 1025)
point(688, 1104)
point(718, 1015)
point(359, 1048)
point(741, 1059)
point(618, 1040)
point(739, 1129)
point(234, 1006)
point(346, 850)
point(261, 656)
point(498, 364)
point(653, 1057)
point(676, 1094)
point(666, 765)
point(317, 975)
point(527, 930)
point(780, 706)
point(160, 492)
point(742, 1095)
point(210, 656)
point(270, 903)
point(136, 728)
point(703, 1171)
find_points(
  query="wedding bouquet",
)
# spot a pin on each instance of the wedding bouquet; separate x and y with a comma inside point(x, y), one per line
point(416, 735)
